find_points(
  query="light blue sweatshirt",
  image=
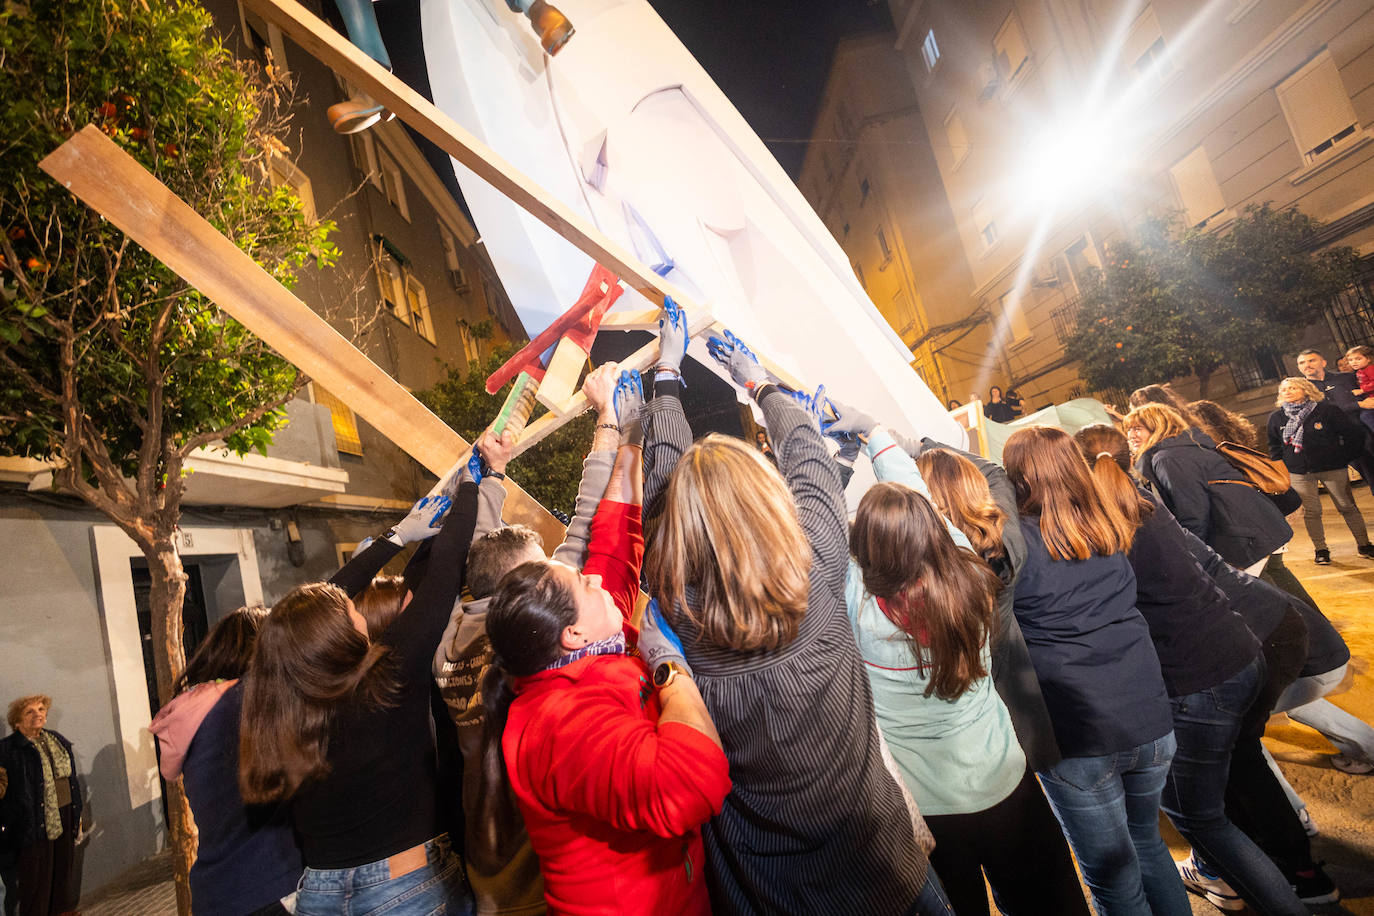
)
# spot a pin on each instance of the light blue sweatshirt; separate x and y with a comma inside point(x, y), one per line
point(959, 756)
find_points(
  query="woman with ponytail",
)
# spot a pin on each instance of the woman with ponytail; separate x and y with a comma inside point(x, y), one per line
point(923, 610)
point(612, 758)
point(1075, 601)
point(1213, 671)
point(339, 726)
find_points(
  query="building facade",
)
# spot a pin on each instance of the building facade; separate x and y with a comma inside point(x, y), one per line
point(1055, 128)
point(415, 291)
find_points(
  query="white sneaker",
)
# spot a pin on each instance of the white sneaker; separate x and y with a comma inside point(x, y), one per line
point(1308, 824)
point(1214, 890)
point(1351, 765)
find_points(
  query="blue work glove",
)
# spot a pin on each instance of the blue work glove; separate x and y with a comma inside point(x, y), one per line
point(657, 641)
point(740, 360)
point(814, 405)
point(475, 466)
point(672, 337)
point(628, 399)
point(424, 521)
point(848, 423)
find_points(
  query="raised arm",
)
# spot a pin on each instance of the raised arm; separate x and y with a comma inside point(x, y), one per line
point(599, 387)
point(421, 523)
point(666, 432)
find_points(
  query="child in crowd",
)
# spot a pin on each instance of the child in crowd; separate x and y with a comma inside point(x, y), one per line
point(1361, 361)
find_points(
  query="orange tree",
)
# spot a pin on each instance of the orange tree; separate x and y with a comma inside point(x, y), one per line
point(113, 368)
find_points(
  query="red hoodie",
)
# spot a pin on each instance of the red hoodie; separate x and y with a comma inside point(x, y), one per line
point(613, 802)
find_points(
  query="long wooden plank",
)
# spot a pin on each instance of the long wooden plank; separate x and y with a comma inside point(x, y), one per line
point(111, 182)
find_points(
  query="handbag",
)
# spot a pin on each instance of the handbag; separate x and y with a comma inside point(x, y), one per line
point(1263, 473)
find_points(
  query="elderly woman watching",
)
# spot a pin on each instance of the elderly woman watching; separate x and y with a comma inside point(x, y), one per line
point(1316, 440)
point(42, 808)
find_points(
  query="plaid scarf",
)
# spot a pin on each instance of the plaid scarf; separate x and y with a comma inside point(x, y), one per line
point(614, 645)
point(1292, 430)
point(56, 765)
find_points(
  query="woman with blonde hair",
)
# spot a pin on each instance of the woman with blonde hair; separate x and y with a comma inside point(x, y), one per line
point(1316, 440)
point(1202, 489)
point(1075, 601)
point(923, 610)
point(748, 563)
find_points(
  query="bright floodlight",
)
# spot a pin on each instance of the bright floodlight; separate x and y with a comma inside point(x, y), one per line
point(1068, 163)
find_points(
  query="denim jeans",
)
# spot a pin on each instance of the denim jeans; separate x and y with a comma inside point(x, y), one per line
point(932, 900)
point(1206, 726)
point(439, 888)
point(1109, 809)
point(1338, 486)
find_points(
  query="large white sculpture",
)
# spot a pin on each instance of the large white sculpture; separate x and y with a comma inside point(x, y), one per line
point(627, 129)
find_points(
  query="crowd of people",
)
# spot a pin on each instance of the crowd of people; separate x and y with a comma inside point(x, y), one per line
point(720, 695)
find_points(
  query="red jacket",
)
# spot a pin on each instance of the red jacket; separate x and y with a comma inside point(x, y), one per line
point(613, 802)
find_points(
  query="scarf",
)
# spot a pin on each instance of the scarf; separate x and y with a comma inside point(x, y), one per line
point(56, 765)
point(1292, 430)
point(613, 645)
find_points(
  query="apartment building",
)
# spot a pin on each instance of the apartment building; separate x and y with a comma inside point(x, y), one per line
point(76, 624)
point(870, 173)
point(1056, 127)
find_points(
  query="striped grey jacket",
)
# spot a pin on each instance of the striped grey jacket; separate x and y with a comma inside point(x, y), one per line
point(814, 823)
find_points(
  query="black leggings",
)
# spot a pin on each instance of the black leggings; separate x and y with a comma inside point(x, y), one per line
point(1020, 846)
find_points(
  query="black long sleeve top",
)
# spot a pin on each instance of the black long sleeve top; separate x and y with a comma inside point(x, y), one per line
point(380, 794)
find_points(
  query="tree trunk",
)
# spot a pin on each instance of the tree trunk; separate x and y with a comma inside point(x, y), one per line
point(1204, 378)
point(169, 657)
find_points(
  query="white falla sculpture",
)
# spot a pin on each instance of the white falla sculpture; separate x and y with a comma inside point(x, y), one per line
point(628, 130)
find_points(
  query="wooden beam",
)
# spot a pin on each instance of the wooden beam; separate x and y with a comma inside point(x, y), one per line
point(111, 182)
point(561, 377)
point(640, 320)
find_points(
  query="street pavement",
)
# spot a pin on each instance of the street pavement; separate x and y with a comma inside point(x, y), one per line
point(1342, 805)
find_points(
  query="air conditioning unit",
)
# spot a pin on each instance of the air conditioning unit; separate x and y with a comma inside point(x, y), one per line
point(1046, 275)
point(459, 279)
point(989, 81)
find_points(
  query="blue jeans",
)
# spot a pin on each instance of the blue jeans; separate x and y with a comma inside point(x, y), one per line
point(1109, 809)
point(439, 887)
point(932, 900)
point(1207, 724)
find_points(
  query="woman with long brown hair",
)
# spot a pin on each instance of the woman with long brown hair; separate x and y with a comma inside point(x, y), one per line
point(1075, 601)
point(748, 563)
point(339, 726)
point(975, 494)
point(1214, 674)
point(923, 612)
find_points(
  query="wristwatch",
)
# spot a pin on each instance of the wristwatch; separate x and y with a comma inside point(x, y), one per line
point(391, 535)
point(667, 672)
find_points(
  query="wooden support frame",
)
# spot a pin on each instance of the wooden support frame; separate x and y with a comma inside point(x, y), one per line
point(111, 182)
point(335, 51)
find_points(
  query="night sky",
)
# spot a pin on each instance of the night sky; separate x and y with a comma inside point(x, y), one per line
point(770, 57)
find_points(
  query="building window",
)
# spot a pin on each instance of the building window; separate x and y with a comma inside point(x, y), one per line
point(417, 309)
point(1317, 107)
point(846, 231)
point(930, 51)
point(283, 173)
point(1144, 52)
point(859, 272)
point(883, 247)
point(1010, 52)
point(469, 341)
point(1197, 188)
point(984, 225)
point(393, 184)
point(957, 137)
point(1351, 312)
point(1016, 328)
point(392, 285)
point(1081, 257)
point(456, 274)
point(903, 315)
point(364, 151)
point(1264, 367)
point(1065, 321)
point(345, 421)
point(864, 188)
